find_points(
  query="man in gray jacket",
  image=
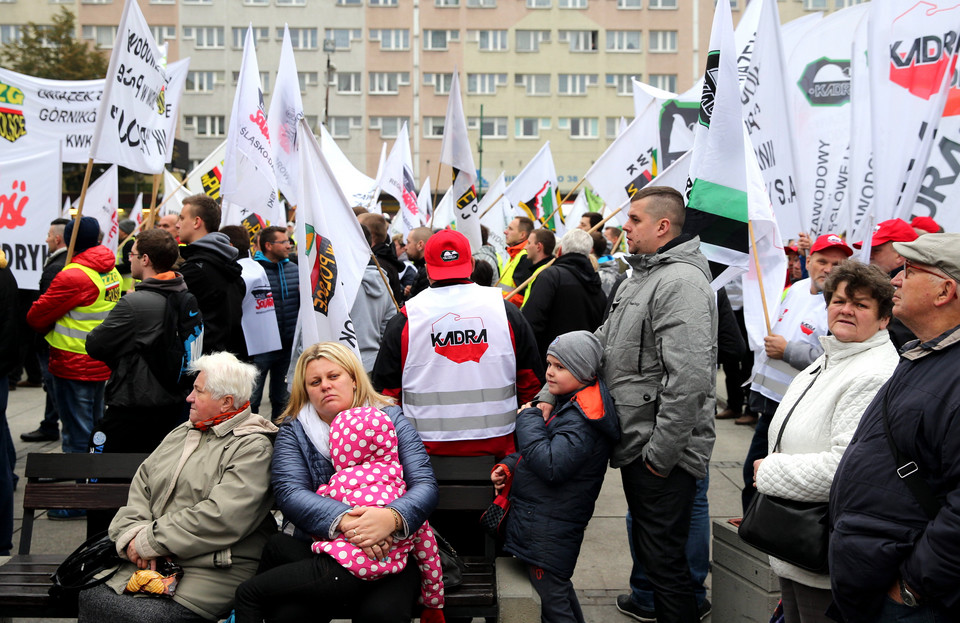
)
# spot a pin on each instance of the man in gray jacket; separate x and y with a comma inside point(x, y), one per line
point(659, 361)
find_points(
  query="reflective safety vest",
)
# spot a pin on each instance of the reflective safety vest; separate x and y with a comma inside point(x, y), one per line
point(126, 282)
point(506, 274)
point(460, 374)
point(70, 331)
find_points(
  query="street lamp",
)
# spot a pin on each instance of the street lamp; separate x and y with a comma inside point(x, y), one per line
point(329, 47)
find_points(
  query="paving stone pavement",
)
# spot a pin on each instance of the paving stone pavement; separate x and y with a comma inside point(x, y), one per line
point(604, 565)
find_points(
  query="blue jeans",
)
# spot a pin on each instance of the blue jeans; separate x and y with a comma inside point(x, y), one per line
point(51, 416)
point(698, 552)
point(892, 612)
point(8, 460)
point(276, 363)
point(81, 408)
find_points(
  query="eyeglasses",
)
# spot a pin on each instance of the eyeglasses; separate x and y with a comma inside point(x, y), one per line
point(132, 254)
point(908, 265)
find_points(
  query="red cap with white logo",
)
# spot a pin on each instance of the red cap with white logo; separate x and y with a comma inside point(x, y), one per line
point(830, 241)
point(447, 255)
point(896, 230)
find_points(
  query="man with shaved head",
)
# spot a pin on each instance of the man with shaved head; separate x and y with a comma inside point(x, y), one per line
point(382, 248)
point(416, 241)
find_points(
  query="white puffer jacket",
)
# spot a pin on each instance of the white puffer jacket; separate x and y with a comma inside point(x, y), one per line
point(821, 426)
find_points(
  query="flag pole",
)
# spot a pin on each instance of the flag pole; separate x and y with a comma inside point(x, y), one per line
point(619, 242)
point(573, 190)
point(523, 285)
point(383, 276)
point(153, 201)
point(756, 262)
point(169, 195)
point(495, 202)
point(76, 221)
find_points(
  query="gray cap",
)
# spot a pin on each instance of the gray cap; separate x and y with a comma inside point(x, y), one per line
point(127, 226)
point(579, 352)
point(942, 251)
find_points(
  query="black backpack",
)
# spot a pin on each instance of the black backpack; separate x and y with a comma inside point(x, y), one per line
point(179, 343)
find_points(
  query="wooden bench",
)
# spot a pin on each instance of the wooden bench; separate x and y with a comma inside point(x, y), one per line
point(51, 483)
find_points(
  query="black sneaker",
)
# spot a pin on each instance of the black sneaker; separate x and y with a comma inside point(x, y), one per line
point(705, 609)
point(40, 435)
point(627, 607)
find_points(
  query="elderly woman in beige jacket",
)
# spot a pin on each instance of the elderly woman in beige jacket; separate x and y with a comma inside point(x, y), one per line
point(828, 398)
point(202, 499)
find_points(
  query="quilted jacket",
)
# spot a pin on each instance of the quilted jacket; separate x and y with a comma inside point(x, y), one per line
point(844, 380)
point(285, 284)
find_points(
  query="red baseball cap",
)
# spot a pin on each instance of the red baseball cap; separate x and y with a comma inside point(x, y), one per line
point(447, 255)
point(896, 230)
point(830, 241)
point(925, 223)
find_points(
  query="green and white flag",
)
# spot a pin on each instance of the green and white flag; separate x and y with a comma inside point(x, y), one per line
point(534, 190)
point(717, 183)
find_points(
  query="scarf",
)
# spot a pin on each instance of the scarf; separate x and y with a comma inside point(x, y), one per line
point(318, 431)
point(204, 425)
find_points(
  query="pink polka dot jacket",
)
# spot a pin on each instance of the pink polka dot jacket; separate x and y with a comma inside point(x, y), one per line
point(363, 450)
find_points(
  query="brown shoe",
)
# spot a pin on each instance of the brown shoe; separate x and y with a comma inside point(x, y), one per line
point(746, 420)
point(26, 383)
point(728, 414)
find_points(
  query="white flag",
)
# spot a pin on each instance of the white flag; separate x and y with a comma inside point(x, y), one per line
point(358, 188)
point(101, 203)
point(534, 190)
point(136, 214)
point(860, 217)
point(496, 216)
point(443, 216)
point(172, 186)
point(916, 49)
point(65, 210)
point(132, 127)
point(455, 151)
point(249, 186)
point(629, 163)
point(176, 80)
point(286, 107)
point(425, 202)
point(332, 250)
point(397, 181)
point(205, 177)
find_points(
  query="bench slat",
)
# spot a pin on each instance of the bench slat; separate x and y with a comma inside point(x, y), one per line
point(83, 465)
point(91, 496)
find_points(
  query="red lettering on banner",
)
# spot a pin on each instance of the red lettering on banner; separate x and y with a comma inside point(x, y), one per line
point(261, 122)
point(11, 210)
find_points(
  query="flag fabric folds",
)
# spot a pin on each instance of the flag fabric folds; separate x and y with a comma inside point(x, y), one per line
point(359, 189)
point(101, 203)
point(455, 152)
point(397, 181)
point(534, 190)
point(286, 108)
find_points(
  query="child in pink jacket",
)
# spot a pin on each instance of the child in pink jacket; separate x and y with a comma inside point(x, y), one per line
point(363, 450)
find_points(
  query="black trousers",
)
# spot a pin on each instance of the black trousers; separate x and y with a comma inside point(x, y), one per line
point(294, 584)
point(558, 599)
point(661, 509)
point(737, 370)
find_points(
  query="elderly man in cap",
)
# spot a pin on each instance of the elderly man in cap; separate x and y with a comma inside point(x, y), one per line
point(459, 358)
point(885, 257)
point(895, 501)
point(793, 344)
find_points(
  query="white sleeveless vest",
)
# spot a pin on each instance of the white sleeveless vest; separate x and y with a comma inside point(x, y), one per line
point(460, 374)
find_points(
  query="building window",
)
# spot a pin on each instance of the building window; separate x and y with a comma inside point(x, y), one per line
point(662, 4)
point(438, 39)
point(572, 4)
point(530, 40)
point(206, 125)
point(623, 41)
point(307, 79)
point(450, 4)
point(291, 2)
point(539, 4)
point(349, 82)
point(264, 80)
point(814, 5)
point(198, 1)
point(481, 4)
point(340, 126)
point(580, 127)
point(529, 127)
point(631, 5)
point(256, 2)
point(391, 38)
point(387, 82)
point(349, 2)
point(208, 37)
point(433, 127)
point(301, 38)
point(663, 40)
point(580, 40)
point(492, 127)
point(389, 126)
point(260, 33)
point(343, 36)
point(535, 84)
point(489, 40)
point(622, 82)
point(575, 84)
point(9, 33)
point(485, 84)
point(104, 36)
point(383, 2)
point(441, 83)
point(667, 82)
point(163, 33)
point(203, 81)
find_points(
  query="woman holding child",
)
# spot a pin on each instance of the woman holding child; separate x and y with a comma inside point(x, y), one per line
point(294, 583)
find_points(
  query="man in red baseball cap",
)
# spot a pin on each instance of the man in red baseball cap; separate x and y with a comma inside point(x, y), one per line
point(882, 253)
point(459, 357)
point(925, 225)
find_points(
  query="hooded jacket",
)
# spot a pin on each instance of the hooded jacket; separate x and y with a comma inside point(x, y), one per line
point(556, 477)
point(212, 274)
point(284, 279)
point(136, 324)
point(372, 309)
point(11, 329)
point(387, 256)
point(72, 288)
point(659, 359)
point(567, 296)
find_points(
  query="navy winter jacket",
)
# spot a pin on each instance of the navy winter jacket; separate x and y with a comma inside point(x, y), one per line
point(557, 476)
point(285, 282)
point(298, 471)
point(879, 531)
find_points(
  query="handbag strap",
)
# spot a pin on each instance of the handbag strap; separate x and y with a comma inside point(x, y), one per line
point(909, 471)
point(776, 446)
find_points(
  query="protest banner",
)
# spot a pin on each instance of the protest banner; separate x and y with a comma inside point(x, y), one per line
point(29, 200)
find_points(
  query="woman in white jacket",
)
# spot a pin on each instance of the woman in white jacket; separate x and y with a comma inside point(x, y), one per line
point(858, 359)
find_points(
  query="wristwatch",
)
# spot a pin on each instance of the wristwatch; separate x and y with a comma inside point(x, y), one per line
point(909, 599)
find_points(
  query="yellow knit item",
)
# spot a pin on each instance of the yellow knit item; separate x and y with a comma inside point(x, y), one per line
point(146, 581)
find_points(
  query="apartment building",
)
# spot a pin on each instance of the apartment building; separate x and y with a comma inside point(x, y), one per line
point(530, 70)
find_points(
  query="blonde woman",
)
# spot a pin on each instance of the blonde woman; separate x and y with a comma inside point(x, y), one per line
point(293, 583)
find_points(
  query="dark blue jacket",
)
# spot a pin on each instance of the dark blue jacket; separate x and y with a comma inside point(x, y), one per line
point(879, 531)
point(285, 282)
point(299, 470)
point(557, 476)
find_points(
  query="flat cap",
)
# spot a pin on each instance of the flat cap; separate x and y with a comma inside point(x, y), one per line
point(942, 251)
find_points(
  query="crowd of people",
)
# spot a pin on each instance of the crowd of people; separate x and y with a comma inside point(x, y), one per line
point(559, 356)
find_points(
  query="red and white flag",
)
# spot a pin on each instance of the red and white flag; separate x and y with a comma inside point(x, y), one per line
point(286, 108)
point(397, 181)
point(101, 203)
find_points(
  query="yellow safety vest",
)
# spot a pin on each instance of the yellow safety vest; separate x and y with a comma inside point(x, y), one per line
point(526, 291)
point(125, 282)
point(506, 275)
point(70, 332)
